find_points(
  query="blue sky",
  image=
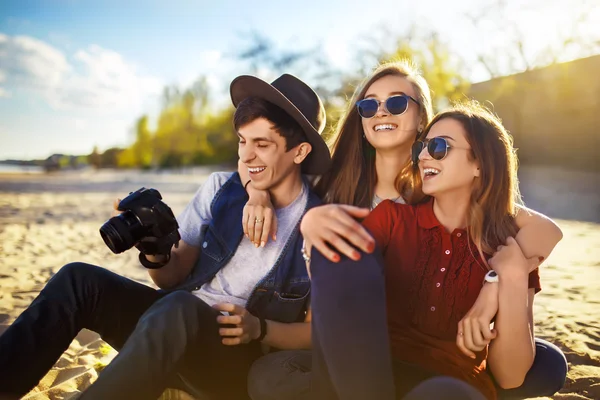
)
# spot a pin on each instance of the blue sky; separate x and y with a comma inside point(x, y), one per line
point(75, 74)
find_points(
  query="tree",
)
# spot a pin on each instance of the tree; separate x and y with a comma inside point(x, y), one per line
point(517, 52)
point(94, 158)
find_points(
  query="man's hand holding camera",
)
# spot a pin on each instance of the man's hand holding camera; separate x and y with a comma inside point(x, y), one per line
point(246, 327)
point(144, 221)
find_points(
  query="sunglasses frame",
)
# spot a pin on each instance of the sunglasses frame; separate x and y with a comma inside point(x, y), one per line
point(384, 102)
point(425, 144)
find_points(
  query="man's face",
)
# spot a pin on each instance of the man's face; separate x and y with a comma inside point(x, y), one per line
point(263, 151)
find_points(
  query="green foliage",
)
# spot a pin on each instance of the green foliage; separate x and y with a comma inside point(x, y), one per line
point(190, 132)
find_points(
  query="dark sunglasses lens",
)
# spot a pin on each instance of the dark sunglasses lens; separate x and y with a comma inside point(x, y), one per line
point(396, 104)
point(367, 108)
point(437, 148)
point(417, 148)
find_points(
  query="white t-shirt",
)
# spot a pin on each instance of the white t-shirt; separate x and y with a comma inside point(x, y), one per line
point(235, 282)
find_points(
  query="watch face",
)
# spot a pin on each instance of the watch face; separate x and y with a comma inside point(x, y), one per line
point(492, 274)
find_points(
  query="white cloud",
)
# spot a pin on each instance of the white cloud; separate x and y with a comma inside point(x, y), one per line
point(93, 78)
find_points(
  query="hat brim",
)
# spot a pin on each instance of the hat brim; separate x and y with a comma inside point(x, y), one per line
point(319, 159)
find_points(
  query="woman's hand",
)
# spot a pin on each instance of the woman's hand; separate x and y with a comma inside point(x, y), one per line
point(335, 225)
point(259, 218)
point(474, 331)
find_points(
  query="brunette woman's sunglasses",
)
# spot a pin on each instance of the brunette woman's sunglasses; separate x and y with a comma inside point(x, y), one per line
point(395, 105)
point(437, 148)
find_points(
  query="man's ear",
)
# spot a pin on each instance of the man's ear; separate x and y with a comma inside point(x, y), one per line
point(301, 152)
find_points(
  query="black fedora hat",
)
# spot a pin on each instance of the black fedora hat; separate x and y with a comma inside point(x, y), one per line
point(302, 104)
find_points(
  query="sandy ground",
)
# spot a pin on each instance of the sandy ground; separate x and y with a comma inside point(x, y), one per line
point(47, 221)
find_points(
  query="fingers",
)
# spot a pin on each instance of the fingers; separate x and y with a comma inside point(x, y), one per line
point(231, 341)
point(468, 336)
point(355, 234)
point(510, 241)
point(337, 241)
point(356, 212)
point(339, 229)
point(116, 210)
point(229, 307)
point(229, 319)
point(326, 251)
point(268, 221)
point(477, 337)
point(245, 218)
point(274, 226)
point(231, 331)
point(259, 222)
point(352, 230)
point(460, 341)
point(250, 223)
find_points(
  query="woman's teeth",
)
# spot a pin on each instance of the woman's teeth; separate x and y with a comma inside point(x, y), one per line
point(384, 127)
point(256, 170)
point(430, 171)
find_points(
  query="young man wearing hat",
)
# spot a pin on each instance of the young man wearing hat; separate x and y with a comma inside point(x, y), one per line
point(222, 298)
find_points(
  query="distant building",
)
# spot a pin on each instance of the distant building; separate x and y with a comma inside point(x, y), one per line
point(552, 112)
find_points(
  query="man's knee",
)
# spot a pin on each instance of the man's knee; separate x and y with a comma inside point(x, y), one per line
point(283, 375)
point(175, 310)
point(180, 299)
point(76, 273)
point(77, 269)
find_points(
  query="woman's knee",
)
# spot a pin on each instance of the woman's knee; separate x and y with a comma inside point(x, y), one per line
point(551, 362)
point(444, 388)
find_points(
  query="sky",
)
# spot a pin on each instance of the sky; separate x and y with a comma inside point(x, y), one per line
point(76, 74)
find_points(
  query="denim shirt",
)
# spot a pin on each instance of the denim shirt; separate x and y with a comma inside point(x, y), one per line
point(282, 295)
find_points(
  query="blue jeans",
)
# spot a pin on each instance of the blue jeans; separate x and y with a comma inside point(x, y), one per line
point(287, 375)
point(164, 340)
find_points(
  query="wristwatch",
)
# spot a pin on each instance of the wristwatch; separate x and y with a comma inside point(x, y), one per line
point(491, 277)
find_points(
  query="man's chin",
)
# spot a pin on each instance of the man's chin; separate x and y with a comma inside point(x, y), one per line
point(262, 185)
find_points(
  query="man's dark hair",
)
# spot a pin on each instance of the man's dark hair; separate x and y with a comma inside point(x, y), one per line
point(253, 108)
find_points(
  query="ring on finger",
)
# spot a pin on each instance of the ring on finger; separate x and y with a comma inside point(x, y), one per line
point(258, 220)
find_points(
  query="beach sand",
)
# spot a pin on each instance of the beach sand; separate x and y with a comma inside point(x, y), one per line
point(47, 221)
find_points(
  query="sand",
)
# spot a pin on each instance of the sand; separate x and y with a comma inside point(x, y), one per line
point(47, 221)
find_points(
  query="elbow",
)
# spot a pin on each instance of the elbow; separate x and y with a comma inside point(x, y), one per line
point(511, 382)
point(513, 377)
point(555, 231)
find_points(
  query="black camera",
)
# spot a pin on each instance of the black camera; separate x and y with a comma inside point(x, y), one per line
point(144, 216)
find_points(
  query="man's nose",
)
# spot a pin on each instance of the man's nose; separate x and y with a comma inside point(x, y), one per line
point(246, 153)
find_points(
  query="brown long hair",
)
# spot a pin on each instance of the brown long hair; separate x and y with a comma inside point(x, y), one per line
point(495, 196)
point(352, 176)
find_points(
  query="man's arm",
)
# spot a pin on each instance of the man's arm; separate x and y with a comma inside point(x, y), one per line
point(291, 336)
point(180, 265)
point(537, 235)
point(194, 217)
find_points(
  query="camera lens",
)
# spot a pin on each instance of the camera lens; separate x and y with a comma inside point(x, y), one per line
point(121, 232)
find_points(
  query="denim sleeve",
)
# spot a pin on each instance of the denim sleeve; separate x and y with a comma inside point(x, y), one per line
point(197, 213)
